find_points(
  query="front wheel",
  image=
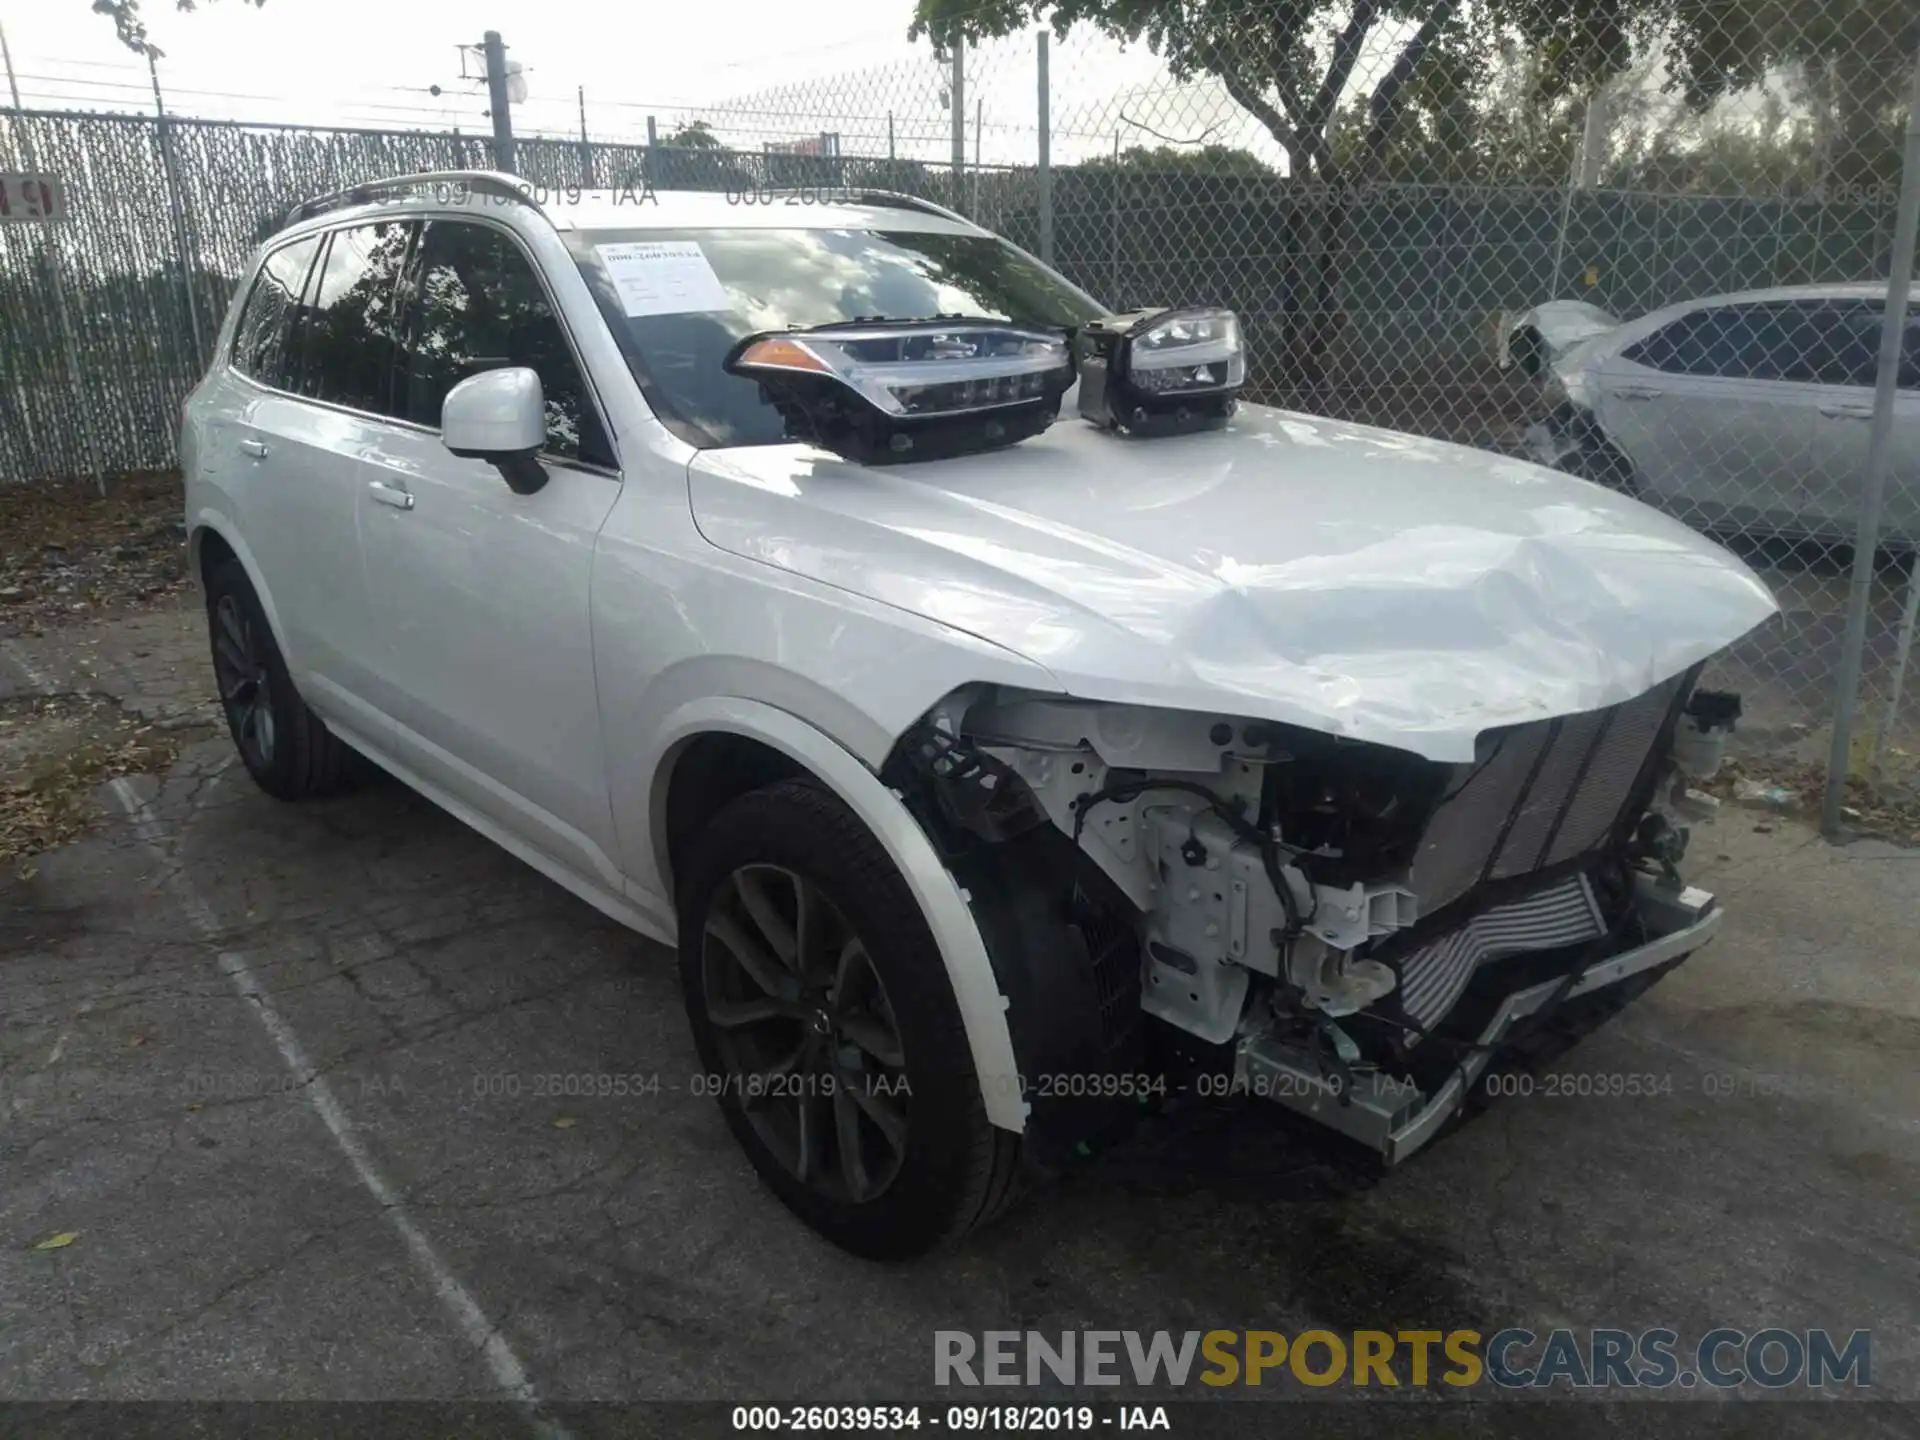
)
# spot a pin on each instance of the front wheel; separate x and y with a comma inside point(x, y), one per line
point(828, 1031)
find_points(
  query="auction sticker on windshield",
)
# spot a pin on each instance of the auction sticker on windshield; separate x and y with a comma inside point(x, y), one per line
point(663, 277)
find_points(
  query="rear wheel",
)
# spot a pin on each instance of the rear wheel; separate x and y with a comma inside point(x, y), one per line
point(287, 750)
point(828, 1031)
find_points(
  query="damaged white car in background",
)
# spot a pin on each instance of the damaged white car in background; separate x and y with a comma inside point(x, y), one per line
point(1010, 726)
point(1748, 412)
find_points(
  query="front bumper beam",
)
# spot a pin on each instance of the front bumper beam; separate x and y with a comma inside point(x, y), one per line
point(1392, 1116)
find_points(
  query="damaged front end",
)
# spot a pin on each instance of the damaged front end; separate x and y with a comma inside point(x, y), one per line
point(1177, 901)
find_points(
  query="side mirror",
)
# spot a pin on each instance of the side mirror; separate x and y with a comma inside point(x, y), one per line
point(499, 416)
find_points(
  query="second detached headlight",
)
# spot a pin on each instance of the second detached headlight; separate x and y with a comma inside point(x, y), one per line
point(1162, 371)
point(910, 390)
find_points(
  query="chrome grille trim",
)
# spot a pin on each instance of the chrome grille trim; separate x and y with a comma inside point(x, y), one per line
point(1433, 977)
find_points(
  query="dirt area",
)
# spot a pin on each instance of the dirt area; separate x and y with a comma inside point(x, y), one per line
point(67, 552)
point(81, 579)
point(53, 752)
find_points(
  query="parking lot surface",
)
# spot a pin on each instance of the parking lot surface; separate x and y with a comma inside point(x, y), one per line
point(339, 1101)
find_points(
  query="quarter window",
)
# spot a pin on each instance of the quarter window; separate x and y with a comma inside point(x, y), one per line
point(478, 305)
point(352, 330)
point(1855, 359)
point(263, 347)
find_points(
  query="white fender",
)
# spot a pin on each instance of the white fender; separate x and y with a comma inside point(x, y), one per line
point(983, 1009)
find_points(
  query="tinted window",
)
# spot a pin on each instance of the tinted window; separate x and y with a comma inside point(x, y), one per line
point(260, 343)
point(478, 305)
point(774, 279)
point(1856, 348)
point(352, 323)
point(1779, 341)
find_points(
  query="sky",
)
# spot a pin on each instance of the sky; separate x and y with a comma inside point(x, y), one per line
point(761, 70)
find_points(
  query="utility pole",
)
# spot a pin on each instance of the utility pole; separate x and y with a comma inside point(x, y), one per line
point(499, 105)
point(176, 202)
point(958, 97)
point(12, 84)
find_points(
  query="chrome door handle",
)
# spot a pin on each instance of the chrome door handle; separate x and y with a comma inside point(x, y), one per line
point(1840, 410)
point(256, 448)
point(1637, 392)
point(388, 494)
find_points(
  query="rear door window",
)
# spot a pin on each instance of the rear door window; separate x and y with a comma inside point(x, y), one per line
point(1763, 341)
point(264, 343)
point(352, 330)
point(477, 304)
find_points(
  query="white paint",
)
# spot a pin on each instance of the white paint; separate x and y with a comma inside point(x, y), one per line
point(1376, 586)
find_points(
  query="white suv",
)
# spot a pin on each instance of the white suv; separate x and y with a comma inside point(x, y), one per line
point(997, 770)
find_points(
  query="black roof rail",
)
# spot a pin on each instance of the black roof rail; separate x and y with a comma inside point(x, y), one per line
point(494, 183)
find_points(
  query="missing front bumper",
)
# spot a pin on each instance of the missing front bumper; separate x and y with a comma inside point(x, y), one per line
point(1395, 1118)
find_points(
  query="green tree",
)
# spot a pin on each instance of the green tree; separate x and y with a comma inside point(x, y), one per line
point(1362, 91)
point(132, 30)
point(1225, 160)
point(698, 135)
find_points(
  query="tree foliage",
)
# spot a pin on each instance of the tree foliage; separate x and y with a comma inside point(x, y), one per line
point(1225, 160)
point(132, 29)
point(1362, 89)
point(695, 136)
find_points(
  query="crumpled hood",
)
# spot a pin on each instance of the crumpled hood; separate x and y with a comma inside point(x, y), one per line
point(1357, 581)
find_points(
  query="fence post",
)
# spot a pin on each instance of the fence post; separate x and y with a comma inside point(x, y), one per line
point(176, 203)
point(1910, 612)
point(586, 145)
point(979, 116)
point(1879, 462)
point(958, 98)
point(1046, 157)
point(1113, 227)
point(499, 103)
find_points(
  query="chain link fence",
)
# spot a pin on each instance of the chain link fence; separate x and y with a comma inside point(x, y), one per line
point(1505, 224)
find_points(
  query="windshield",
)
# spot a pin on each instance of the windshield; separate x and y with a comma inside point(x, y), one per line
point(678, 301)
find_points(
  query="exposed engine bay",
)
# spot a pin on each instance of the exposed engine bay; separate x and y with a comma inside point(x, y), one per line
point(1353, 931)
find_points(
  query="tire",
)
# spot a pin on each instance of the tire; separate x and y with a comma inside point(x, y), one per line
point(885, 1031)
point(287, 750)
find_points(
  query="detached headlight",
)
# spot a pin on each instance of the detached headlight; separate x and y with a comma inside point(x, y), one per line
point(913, 390)
point(1162, 371)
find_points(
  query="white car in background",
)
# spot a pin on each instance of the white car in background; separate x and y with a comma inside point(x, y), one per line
point(998, 772)
point(1747, 412)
